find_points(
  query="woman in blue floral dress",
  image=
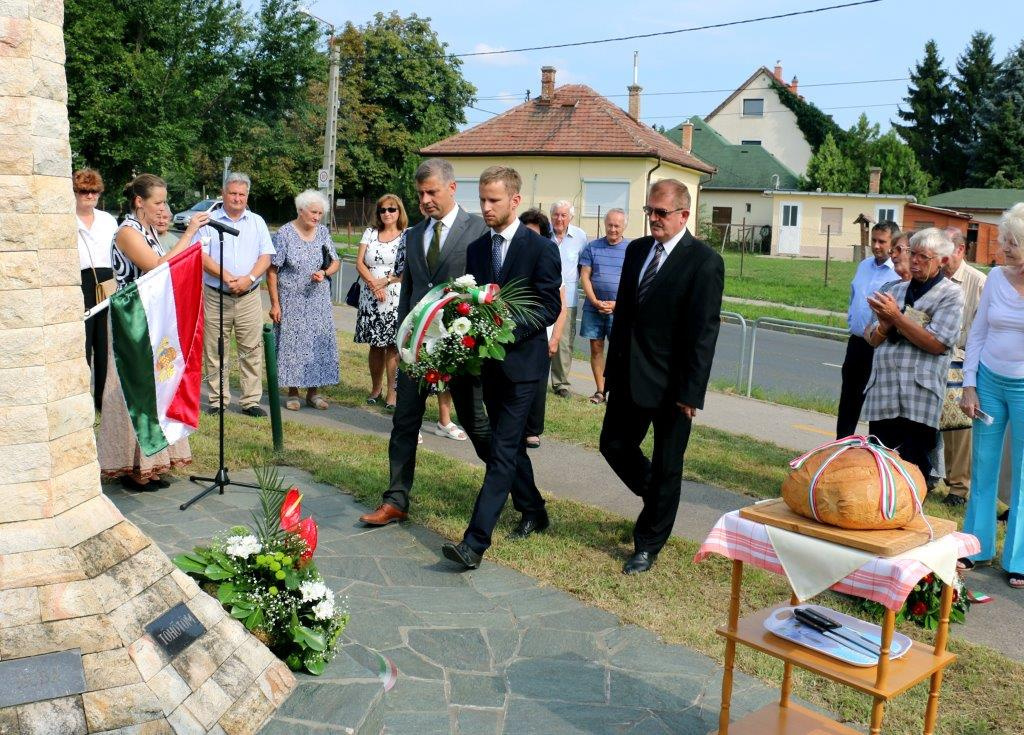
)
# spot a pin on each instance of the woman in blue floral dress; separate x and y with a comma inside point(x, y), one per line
point(300, 303)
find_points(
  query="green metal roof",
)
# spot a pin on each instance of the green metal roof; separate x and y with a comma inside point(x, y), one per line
point(739, 166)
point(995, 199)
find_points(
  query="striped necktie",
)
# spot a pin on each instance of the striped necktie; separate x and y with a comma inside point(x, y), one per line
point(496, 242)
point(650, 273)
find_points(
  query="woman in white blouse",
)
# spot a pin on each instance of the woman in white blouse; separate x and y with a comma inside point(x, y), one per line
point(96, 230)
point(994, 384)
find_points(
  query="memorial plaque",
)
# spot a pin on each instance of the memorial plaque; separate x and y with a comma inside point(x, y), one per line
point(175, 629)
point(36, 678)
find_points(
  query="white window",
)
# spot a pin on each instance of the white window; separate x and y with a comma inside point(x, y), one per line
point(789, 215)
point(886, 214)
point(753, 107)
point(604, 195)
point(832, 217)
point(750, 142)
point(467, 194)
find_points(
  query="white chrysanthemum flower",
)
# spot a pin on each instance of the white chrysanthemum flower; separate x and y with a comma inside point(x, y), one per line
point(314, 591)
point(466, 281)
point(323, 610)
point(242, 547)
point(460, 326)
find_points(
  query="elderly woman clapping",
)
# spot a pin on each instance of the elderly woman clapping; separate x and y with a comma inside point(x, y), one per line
point(914, 325)
point(300, 303)
point(994, 384)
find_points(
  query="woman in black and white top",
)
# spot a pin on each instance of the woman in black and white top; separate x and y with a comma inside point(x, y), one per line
point(96, 230)
point(135, 250)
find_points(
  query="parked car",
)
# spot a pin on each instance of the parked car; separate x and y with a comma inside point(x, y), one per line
point(181, 219)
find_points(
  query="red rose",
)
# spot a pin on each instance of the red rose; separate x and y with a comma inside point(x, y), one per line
point(463, 308)
point(918, 608)
point(469, 342)
point(432, 376)
point(929, 579)
point(956, 595)
point(446, 377)
point(497, 320)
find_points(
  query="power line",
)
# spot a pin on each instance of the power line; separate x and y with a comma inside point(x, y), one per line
point(692, 29)
point(770, 112)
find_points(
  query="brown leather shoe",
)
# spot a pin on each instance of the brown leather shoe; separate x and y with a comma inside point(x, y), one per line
point(384, 515)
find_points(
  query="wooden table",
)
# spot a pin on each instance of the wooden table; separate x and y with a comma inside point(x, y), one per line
point(882, 682)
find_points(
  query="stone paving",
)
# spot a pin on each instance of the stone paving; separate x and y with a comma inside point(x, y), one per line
point(488, 651)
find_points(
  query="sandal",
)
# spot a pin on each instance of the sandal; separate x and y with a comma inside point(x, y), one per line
point(372, 400)
point(964, 564)
point(598, 397)
point(293, 403)
point(532, 442)
point(316, 402)
point(451, 431)
point(1015, 580)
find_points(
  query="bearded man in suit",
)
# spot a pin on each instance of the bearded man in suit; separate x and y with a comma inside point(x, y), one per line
point(510, 252)
point(659, 361)
point(435, 253)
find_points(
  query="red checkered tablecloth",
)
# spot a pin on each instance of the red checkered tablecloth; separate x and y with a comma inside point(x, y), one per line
point(886, 581)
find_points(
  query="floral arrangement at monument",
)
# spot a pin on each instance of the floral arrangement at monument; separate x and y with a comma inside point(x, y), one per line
point(265, 577)
point(923, 603)
point(457, 325)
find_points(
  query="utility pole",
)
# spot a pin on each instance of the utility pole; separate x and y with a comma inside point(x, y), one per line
point(331, 124)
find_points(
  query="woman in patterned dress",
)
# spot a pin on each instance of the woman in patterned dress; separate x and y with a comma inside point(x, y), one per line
point(300, 303)
point(380, 263)
point(136, 250)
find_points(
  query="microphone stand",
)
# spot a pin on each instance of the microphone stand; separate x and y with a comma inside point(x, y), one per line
point(221, 480)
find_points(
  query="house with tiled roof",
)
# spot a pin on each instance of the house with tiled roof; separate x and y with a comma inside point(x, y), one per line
point(985, 206)
point(733, 197)
point(571, 143)
point(754, 114)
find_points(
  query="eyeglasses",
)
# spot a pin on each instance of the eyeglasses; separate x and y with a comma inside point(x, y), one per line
point(895, 250)
point(662, 213)
point(918, 255)
point(389, 210)
point(87, 192)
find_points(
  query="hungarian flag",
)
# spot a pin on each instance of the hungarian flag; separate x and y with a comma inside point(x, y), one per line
point(157, 329)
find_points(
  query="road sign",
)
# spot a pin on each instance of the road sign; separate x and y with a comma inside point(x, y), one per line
point(339, 202)
point(323, 177)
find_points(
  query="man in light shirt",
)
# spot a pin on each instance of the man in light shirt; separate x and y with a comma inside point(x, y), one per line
point(246, 259)
point(570, 240)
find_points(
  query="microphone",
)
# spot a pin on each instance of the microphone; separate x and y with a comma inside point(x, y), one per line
point(221, 227)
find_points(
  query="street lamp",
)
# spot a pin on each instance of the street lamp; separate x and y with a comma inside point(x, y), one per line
point(331, 125)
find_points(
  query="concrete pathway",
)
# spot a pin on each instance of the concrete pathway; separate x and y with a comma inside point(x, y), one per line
point(485, 652)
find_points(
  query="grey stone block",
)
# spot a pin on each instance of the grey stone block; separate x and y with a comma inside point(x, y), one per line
point(477, 690)
point(562, 679)
point(460, 649)
point(478, 722)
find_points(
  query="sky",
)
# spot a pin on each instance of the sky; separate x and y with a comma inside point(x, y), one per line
point(847, 51)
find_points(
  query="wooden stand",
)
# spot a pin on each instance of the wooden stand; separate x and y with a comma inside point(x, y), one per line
point(883, 682)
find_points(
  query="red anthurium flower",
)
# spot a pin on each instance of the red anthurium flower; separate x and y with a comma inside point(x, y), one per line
point(468, 341)
point(918, 608)
point(291, 509)
point(307, 532)
point(463, 308)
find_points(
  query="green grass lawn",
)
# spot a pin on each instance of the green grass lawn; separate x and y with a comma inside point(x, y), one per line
point(792, 281)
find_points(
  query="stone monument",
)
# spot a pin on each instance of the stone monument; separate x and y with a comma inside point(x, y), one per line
point(98, 630)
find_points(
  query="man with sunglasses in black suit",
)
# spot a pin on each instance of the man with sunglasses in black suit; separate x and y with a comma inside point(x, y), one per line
point(659, 360)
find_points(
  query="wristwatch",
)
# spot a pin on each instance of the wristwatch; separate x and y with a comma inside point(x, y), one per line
point(252, 277)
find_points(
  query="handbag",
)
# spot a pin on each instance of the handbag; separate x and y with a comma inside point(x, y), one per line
point(953, 416)
point(104, 289)
point(352, 297)
point(326, 260)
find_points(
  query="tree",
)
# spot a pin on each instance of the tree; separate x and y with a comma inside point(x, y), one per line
point(830, 169)
point(998, 155)
point(972, 83)
point(901, 172)
point(401, 92)
point(928, 99)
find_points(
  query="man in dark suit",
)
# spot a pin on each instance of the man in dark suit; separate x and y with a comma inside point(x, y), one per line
point(659, 360)
point(510, 252)
point(435, 253)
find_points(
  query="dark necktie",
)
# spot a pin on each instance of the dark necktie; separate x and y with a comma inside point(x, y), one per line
point(434, 251)
point(496, 242)
point(650, 273)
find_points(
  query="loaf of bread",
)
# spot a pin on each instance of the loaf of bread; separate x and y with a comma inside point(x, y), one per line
point(848, 494)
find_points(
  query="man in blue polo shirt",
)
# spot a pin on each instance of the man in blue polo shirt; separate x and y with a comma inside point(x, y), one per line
point(600, 269)
point(246, 259)
point(871, 274)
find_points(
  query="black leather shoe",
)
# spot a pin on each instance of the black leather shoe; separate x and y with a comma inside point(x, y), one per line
point(529, 526)
point(641, 561)
point(213, 410)
point(256, 411)
point(953, 500)
point(462, 554)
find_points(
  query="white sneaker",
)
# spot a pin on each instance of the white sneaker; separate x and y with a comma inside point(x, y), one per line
point(419, 439)
point(451, 431)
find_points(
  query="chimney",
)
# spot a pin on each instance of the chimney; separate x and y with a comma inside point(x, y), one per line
point(687, 137)
point(547, 83)
point(634, 101)
point(874, 179)
point(778, 70)
point(793, 85)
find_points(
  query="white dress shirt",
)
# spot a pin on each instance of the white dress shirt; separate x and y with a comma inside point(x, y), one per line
point(508, 233)
point(446, 226)
point(94, 242)
point(669, 247)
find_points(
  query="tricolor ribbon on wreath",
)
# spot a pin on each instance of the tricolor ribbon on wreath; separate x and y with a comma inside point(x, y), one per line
point(423, 327)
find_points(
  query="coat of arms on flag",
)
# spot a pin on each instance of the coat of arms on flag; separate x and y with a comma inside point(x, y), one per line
point(157, 331)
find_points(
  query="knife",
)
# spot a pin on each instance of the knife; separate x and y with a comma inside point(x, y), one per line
point(833, 622)
point(828, 627)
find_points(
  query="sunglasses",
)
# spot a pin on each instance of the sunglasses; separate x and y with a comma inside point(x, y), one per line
point(389, 210)
point(662, 213)
point(87, 192)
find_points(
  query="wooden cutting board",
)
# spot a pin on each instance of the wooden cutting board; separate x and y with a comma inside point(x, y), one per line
point(882, 543)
